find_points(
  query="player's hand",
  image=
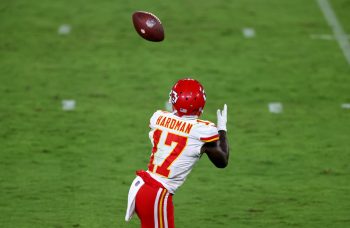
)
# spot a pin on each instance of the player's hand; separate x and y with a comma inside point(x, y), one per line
point(222, 119)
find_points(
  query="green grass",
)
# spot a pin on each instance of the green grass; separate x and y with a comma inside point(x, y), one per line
point(73, 169)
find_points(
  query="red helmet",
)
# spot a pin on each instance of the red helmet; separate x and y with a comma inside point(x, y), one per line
point(187, 97)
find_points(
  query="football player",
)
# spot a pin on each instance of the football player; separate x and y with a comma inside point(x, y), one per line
point(179, 140)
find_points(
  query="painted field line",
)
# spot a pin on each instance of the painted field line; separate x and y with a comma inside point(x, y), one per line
point(337, 28)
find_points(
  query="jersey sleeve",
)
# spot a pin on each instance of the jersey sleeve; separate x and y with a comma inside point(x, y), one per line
point(207, 133)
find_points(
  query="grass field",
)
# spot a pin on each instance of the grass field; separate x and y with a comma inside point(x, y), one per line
point(73, 169)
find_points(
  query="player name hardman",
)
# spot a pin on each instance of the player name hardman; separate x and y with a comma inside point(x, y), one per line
point(174, 124)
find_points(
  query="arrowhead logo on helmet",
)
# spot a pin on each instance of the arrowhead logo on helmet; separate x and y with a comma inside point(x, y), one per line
point(173, 97)
point(188, 97)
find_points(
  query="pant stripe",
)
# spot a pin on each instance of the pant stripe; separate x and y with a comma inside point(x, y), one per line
point(160, 209)
point(156, 208)
point(165, 210)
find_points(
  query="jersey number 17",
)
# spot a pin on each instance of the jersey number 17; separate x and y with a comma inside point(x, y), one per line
point(164, 168)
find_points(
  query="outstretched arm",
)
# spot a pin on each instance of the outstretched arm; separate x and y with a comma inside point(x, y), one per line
point(218, 151)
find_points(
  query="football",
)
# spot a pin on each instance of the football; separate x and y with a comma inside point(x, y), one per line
point(148, 26)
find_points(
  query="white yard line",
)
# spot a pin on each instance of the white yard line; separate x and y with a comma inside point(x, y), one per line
point(338, 30)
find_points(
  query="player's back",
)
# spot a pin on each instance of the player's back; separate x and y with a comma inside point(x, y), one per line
point(177, 143)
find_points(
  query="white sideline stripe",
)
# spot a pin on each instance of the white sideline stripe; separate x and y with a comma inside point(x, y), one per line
point(337, 28)
point(165, 210)
point(156, 208)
